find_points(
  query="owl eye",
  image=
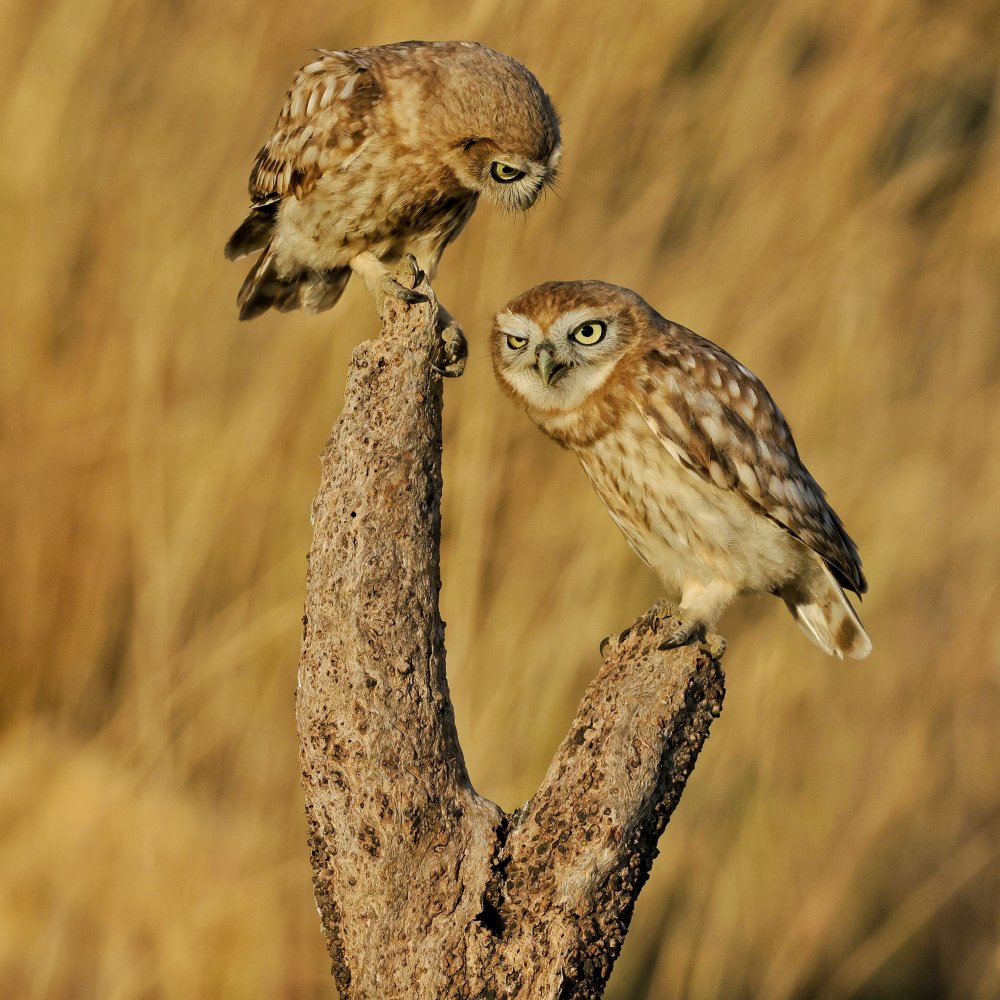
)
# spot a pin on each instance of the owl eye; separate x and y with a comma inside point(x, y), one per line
point(505, 173)
point(516, 343)
point(590, 333)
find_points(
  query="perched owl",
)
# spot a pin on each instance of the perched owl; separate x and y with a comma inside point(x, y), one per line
point(382, 153)
point(688, 452)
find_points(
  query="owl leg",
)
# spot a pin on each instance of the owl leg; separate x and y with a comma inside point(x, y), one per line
point(382, 284)
point(454, 347)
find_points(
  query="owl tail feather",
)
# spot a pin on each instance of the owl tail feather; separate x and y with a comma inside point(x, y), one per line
point(824, 613)
point(311, 291)
point(255, 230)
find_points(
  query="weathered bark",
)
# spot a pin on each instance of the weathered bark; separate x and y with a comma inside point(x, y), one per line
point(426, 889)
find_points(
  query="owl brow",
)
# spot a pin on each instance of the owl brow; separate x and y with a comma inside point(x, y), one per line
point(517, 325)
point(587, 322)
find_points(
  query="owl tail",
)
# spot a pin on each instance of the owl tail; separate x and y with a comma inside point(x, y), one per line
point(255, 230)
point(311, 291)
point(820, 606)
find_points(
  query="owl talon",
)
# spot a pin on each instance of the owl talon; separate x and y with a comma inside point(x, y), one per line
point(409, 272)
point(381, 285)
point(454, 351)
point(399, 291)
point(417, 276)
point(713, 644)
point(674, 626)
point(608, 643)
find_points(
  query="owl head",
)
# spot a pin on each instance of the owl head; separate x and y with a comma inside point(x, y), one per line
point(506, 172)
point(497, 123)
point(558, 343)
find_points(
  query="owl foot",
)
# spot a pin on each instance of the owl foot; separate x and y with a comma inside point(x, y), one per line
point(670, 624)
point(406, 289)
point(682, 627)
point(713, 644)
point(454, 352)
point(673, 627)
point(454, 347)
point(382, 285)
point(416, 274)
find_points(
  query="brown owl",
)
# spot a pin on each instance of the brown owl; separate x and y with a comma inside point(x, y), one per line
point(378, 157)
point(688, 452)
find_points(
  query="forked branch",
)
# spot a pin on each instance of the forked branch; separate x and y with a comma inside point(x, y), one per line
point(425, 888)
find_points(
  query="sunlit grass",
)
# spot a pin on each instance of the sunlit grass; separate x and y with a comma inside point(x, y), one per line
point(813, 187)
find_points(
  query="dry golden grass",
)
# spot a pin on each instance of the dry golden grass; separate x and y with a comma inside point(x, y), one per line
point(814, 186)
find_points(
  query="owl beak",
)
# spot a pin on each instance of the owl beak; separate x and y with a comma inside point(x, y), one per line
point(549, 370)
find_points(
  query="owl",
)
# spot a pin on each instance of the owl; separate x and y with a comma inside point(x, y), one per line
point(376, 163)
point(687, 450)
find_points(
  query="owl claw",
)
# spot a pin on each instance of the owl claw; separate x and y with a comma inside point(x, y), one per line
point(713, 644)
point(606, 645)
point(384, 286)
point(683, 628)
point(674, 626)
point(408, 270)
point(399, 291)
point(417, 275)
point(454, 351)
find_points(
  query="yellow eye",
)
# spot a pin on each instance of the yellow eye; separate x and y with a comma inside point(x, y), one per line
point(505, 173)
point(516, 343)
point(590, 333)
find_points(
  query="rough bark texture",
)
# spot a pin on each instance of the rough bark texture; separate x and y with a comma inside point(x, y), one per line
point(426, 889)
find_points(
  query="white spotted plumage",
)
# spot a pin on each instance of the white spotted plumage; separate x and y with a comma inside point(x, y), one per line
point(688, 452)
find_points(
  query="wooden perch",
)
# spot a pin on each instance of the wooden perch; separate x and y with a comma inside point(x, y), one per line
point(425, 888)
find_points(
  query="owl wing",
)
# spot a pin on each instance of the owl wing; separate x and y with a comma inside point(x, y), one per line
point(326, 117)
point(718, 420)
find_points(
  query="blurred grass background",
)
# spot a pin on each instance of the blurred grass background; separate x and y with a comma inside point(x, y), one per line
point(814, 186)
